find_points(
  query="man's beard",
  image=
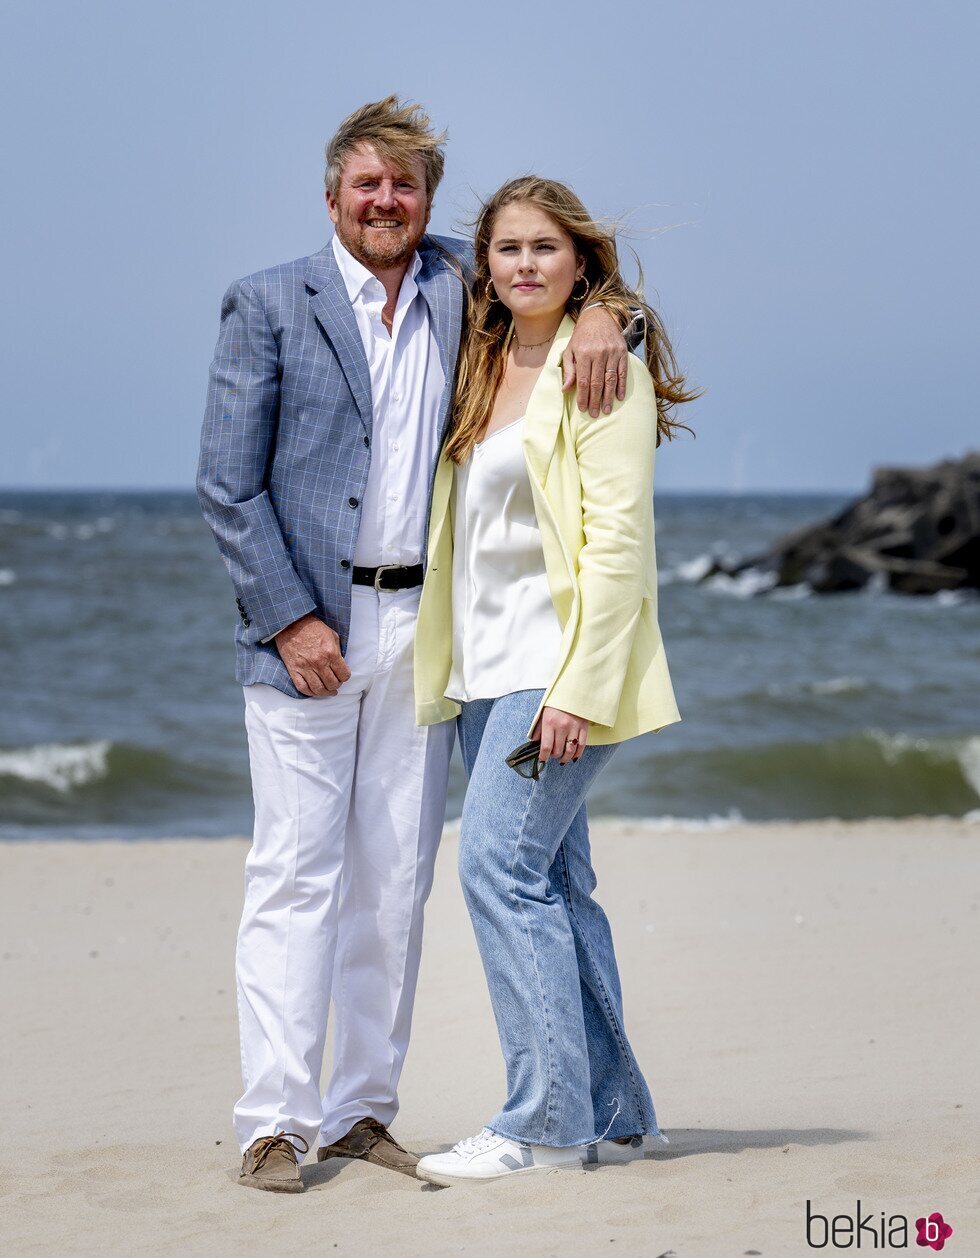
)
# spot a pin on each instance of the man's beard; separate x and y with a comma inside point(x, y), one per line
point(382, 249)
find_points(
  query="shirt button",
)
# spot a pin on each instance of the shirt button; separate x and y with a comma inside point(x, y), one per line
point(394, 497)
point(352, 501)
point(394, 445)
point(397, 397)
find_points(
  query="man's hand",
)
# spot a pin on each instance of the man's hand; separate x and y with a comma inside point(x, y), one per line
point(311, 651)
point(595, 360)
point(562, 735)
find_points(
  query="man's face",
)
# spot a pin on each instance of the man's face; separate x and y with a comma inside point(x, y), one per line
point(381, 210)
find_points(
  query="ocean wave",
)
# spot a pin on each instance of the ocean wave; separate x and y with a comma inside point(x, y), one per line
point(60, 766)
point(837, 686)
point(99, 786)
point(664, 821)
point(746, 584)
point(692, 571)
point(80, 532)
point(785, 694)
point(953, 598)
point(871, 773)
point(95, 783)
point(7, 576)
point(761, 581)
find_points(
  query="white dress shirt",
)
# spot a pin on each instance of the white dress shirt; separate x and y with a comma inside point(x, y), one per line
point(407, 383)
point(506, 634)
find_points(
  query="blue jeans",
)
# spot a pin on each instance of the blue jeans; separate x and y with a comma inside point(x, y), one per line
point(547, 950)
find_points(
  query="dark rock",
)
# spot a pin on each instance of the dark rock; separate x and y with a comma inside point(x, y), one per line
point(916, 532)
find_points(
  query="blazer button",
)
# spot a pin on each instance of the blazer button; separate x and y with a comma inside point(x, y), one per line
point(246, 622)
point(367, 441)
point(345, 563)
point(352, 501)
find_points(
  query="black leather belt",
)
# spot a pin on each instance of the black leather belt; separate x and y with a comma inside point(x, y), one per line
point(390, 576)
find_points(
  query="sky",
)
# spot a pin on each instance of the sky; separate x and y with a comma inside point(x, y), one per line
point(798, 180)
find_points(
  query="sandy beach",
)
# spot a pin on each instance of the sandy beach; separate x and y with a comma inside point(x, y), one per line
point(803, 999)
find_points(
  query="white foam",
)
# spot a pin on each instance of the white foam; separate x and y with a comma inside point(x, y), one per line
point(954, 598)
point(85, 532)
point(714, 821)
point(694, 569)
point(7, 576)
point(969, 758)
point(966, 751)
point(744, 584)
point(664, 822)
point(894, 746)
point(839, 686)
point(58, 765)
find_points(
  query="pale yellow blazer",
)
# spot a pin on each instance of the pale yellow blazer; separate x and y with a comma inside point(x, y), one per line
point(592, 485)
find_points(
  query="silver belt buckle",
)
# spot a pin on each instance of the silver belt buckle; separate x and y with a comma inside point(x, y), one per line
point(384, 567)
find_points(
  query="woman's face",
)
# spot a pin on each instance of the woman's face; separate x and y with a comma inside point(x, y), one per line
point(533, 264)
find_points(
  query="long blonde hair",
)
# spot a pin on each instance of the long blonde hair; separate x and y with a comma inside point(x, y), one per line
point(484, 351)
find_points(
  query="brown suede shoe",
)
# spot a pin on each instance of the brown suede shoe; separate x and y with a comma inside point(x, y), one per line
point(372, 1141)
point(270, 1163)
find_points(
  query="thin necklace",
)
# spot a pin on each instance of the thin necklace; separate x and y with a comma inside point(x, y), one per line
point(537, 344)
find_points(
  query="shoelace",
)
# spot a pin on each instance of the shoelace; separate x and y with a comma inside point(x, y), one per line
point(282, 1140)
point(476, 1144)
point(366, 1133)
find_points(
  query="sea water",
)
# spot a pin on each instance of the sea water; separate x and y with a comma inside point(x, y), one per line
point(120, 715)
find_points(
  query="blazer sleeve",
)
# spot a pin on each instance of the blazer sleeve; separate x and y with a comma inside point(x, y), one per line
point(615, 455)
point(238, 441)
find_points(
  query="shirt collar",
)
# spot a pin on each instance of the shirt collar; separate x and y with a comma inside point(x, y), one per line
point(355, 274)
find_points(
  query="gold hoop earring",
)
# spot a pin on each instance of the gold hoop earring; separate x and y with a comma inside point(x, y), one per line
point(588, 287)
point(490, 296)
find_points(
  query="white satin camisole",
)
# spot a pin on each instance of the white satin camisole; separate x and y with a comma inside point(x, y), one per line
point(506, 634)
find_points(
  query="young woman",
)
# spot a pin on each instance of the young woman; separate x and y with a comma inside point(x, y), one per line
point(538, 621)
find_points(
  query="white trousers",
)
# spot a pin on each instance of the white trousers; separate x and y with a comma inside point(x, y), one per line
point(350, 801)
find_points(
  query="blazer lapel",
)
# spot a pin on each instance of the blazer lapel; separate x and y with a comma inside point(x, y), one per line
point(546, 406)
point(440, 508)
point(335, 315)
point(443, 294)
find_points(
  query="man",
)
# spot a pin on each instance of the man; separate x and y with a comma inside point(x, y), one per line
point(329, 397)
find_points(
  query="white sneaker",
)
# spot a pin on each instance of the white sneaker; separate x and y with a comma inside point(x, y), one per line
point(489, 1156)
point(609, 1151)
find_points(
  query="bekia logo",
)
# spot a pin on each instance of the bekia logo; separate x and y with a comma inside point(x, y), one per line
point(844, 1231)
point(933, 1231)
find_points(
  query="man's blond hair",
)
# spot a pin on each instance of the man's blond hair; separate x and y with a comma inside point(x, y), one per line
point(398, 132)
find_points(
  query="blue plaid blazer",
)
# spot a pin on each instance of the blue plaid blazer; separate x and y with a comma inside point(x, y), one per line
point(286, 441)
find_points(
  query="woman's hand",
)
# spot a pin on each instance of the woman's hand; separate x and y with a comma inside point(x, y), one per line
point(561, 734)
